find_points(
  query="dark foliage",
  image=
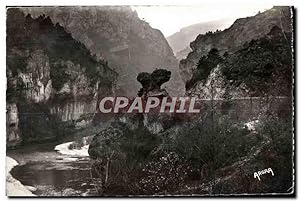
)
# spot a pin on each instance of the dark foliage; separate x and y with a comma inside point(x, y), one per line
point(262, 63)
point(27, 34)
point(204, 66)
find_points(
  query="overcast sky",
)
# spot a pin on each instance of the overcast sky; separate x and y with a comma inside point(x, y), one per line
point(170, 19)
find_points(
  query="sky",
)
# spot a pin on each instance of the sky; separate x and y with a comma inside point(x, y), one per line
point(170, 19)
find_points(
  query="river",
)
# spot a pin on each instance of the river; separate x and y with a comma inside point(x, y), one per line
point(52, 173)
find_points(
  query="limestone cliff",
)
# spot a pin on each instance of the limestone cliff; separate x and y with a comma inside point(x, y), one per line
point(236, 36)
point(51, 78)
point(239, 62)
point(116, 34)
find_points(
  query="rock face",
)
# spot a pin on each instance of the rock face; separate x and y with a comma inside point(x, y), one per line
point(12, 125)
point(180, 41)
point(218, 148)
point(128, 125)
point(151, 87)
point(151, 83)
point(234, 38)
point(261, 68)
point(51, 78)
point(116, 34)
point(213, 86)
point(37, 77)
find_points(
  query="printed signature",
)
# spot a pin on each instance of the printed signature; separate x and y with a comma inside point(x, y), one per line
point(263, 172)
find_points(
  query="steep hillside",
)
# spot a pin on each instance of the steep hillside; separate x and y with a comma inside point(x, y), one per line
point(51, 78)
point(180, 41)
point(261, 68)
point(130, 45)
point(235, 37)
point(246, 71)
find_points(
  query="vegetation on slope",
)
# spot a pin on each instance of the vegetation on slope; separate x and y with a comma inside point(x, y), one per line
point(25, 34)
point(264, 65)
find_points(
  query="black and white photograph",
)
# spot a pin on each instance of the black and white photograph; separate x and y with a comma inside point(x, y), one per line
point(150, 100)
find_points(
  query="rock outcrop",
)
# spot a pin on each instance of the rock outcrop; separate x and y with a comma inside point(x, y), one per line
point(116, 34)
point(14, 188)
point(51, 78)
point(236, 36)
point(239, 62)
point(151, 87)
point(126, 125)
point(13, 136)
point(151, 83)
point(262, 68)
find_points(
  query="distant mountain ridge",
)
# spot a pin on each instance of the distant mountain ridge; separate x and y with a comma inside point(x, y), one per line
point(242, 31)
point(116, 34)
point(251, 58)
point(180, 41)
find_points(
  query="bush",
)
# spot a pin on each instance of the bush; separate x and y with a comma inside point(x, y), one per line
point(212, 143)
point(278, 154)
point(138, 162)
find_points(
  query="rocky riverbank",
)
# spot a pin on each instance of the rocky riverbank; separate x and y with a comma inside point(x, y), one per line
point(13, 186)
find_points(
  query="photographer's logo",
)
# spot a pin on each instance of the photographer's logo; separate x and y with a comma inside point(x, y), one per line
point(263, 172)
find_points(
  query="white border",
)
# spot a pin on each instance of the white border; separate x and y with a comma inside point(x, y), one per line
point(107, 2)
